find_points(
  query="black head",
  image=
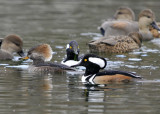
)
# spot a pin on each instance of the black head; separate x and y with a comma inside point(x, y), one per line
point(93, 63)
point(72, 51)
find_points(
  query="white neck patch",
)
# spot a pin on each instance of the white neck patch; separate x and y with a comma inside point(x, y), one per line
point(67, 46)
point(97, 61)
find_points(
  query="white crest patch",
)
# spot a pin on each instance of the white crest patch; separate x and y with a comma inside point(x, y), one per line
point(97, 61)
point(70, 63)
point(67, 46)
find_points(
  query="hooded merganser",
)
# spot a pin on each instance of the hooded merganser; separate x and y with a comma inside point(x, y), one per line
point(124, 27)
point(116, 44)
point(9, 45)
point(94, 63)
point(40, 54)
point(72, 50)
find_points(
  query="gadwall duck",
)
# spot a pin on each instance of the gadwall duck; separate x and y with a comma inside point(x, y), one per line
point(123, 27)
point(92, 75)
point(9, 45)
point(116, 44)
point(72, 50)
point(41, 55)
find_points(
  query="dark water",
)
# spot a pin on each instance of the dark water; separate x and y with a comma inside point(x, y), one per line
point(57, 22)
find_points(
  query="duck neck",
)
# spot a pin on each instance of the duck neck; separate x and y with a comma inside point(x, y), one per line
point(72, 56)
point(6, 48)
point(143, 26)
point(38, 61)
point(91, 70)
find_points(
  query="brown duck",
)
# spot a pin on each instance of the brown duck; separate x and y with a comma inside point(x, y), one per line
point(9, 45)
point(124, 27)
point(41, 55)
point(116, 44)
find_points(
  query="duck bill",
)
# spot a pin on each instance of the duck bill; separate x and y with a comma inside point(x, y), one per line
point(25, 58)
point(102, 31)
point(155, 26)
point(21, 53)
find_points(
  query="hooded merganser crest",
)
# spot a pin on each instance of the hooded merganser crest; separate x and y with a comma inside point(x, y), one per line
point(40, 54)
point(72, 50)
point(94, 63)
point(116, 44)
point(124, 27)
point(9, 45)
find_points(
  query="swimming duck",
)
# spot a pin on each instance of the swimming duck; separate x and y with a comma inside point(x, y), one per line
point(9, 45)
point(41, 55)
point(123, 27)
point(116, 44)
point(93, 65)
point(124, 13)
point(72, 50)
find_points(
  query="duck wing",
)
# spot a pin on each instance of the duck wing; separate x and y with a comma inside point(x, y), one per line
point(56, 66)
point(115, 72)
point(110, 41)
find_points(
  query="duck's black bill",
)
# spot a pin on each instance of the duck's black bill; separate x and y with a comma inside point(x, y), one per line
point(155, 26)
point(21, 53)
point(102, 31)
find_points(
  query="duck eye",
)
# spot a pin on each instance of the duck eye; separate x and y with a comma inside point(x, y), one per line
point(119, 12)
point(17, 44)
point(85, 60)
point(70, 47)
point(148, 17)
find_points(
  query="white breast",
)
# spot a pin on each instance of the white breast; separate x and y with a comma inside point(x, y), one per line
point(70, 62)
point(91, 78)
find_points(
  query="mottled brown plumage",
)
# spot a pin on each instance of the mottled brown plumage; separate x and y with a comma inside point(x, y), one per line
point(116, 44)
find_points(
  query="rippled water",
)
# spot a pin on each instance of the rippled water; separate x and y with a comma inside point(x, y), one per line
point(57, 22)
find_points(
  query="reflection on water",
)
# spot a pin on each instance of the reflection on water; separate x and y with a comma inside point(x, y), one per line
point(57, 23)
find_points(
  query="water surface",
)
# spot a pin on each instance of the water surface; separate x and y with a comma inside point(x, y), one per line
point(57, 22)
